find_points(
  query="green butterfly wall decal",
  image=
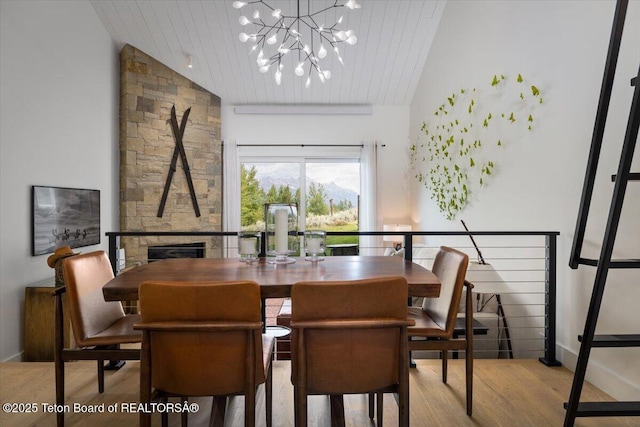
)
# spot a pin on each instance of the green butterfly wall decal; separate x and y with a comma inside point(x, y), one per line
point(451, 176)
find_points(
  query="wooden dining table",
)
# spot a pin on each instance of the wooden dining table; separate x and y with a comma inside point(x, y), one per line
point(275, 280)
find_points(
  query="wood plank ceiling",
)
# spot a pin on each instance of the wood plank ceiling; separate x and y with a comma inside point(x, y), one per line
point(383, 68)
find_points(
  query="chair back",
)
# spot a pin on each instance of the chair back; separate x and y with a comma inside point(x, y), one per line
point(84, 277)
point(450, 266)
point(344, 359)
point(198, 362)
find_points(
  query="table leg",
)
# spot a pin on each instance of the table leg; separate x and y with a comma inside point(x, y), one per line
point(337, 410)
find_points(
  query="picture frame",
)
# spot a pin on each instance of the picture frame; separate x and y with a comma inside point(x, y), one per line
point(64, 217)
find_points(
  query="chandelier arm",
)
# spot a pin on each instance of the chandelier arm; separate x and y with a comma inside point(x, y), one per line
point(328, 39)
point(293, 44)
point(306, 23)
point(312, 61)
point(317, 28)
point(286, 37)
point(273, 60)
point(270, 27)
point(323, 10)
point(264, 3)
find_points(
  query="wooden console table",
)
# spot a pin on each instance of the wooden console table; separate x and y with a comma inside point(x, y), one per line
point(38, 324)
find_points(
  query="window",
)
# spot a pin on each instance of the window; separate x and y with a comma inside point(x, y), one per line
point(331, 198)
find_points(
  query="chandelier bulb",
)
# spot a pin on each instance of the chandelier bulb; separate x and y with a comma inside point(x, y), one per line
point(341, 35)
point(299, 70)
point(327, 74)
point(256, 14)
point(321, 75)
point(283, 50)
point(238, 4)
point(340, 19)
point(352, 4)
point(244, 37)
point(308, 83)
point(352, 40)
point(278, 77)
point(272, 40)
point(243, 20)
point(264, 69)
point(277, 13)
point(306, 49)
point(322, 52)
point(349, 33)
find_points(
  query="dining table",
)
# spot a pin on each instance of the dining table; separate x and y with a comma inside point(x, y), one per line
point(275, 280)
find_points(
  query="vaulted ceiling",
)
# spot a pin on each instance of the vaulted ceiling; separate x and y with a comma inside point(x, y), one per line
point(383, 68)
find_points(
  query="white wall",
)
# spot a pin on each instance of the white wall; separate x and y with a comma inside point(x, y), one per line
point(387, 125)
point(562, 46)
point(59, 82)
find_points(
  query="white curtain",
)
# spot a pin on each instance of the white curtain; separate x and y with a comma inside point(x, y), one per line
point(369, 198)
point(231, 197)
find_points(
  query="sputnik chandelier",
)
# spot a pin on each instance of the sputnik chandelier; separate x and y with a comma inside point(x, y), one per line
point(293, 34)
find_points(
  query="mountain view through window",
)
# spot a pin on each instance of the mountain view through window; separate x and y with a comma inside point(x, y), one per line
point(329, 203)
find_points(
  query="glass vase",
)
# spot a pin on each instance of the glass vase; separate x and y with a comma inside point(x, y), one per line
point(315, 242)
point(281, 222)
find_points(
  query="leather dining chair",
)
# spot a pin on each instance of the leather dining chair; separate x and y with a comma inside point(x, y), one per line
point(349, 338)
point(204, 339)
point(435, 322)
point(99, 327)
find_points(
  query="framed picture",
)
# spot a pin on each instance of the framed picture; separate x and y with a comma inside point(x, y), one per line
point(64, 217)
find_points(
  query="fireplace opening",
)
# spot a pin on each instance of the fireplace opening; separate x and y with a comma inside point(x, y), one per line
point(177, 250)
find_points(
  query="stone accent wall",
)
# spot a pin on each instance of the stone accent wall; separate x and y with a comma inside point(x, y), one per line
point(148, 90)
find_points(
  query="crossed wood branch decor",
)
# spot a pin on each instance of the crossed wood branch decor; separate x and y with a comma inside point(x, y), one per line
point(178, 133)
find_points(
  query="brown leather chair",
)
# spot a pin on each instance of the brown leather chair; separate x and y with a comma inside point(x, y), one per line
point(349, 338)
point(204, 339)
point(99, 327)
point(436, 320)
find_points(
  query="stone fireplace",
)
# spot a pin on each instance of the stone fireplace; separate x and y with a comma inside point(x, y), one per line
point(148, 91)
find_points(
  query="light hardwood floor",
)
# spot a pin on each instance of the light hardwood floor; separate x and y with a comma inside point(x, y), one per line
point(506, 393)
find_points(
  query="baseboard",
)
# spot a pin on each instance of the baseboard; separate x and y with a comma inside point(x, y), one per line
point(610, 382)
point(15, 358)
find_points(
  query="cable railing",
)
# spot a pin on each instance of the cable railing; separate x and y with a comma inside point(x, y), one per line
point(515, 291)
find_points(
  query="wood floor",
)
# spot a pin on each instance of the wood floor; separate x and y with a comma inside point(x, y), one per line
point(506, 393)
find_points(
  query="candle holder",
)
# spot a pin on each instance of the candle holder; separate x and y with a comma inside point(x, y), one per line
point(249, 246)
point(315, 242)
point(281, 222)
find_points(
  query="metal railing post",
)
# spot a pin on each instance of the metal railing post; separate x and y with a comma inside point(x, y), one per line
point(549, 358)
point(408, 247)
point(113, 248)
